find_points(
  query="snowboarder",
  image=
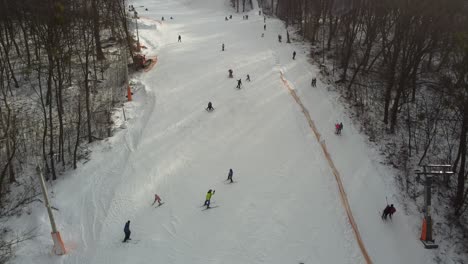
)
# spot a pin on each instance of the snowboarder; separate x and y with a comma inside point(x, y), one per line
point(230, 175)
point(264, 27)
point(180, 39)
point(210, 107)
point(208, 198)
point(388, 211)
point(230, 73)
point(279, 38)
point(239, 83)
point(248, 78)
point(294, 55)
point(157, 199)
point(127, 231)
point(222, 47)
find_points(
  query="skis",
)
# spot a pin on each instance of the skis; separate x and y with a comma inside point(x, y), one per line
point(159, 205)
point(211, 207)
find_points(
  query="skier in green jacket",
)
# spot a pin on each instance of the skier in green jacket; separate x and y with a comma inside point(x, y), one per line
point(208, 198)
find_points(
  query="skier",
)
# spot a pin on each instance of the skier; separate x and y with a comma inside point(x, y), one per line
point(264, 20)
point(239, 83)
point(230, 16)
point(388, 211)
point(337, 128)
point(157, 199)
point(225, 18)
point(247, 17)
point(210, 107)
point(263, 34)
point(208, 198)
point(341, 127)
point(279, 38)
point(162, 18)
point(127, 231)
point(259, 12)
point(230, 73)
point(180, 39)
point(264, 27)
point(314, 82)
point(230, 175)
point(294, 55)
point(248, 78)
point(222, 47)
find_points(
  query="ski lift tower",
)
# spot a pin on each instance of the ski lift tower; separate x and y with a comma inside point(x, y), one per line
point(429, 171)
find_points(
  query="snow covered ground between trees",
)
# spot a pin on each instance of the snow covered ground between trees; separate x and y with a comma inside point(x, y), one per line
point(285, 206)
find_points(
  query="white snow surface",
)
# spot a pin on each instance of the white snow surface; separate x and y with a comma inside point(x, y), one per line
point(285, 205)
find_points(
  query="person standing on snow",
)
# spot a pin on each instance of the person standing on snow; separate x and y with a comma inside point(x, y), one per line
point(230, 73)
point(210, 107)
point(264, 27)
point(294, 55)
point(222, 47)
point(337, 128)
point(239, 83)
point(180, 39)
point(388, 211)
point(157, 199)
point(230, 175)
point(279, 38)
point(127, 231)
point(208, 198)
point(341, 127)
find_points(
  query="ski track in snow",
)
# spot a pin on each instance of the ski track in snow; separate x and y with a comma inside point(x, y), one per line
point(286, 206)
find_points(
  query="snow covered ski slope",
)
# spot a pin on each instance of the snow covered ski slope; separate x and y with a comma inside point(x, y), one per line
point(285, 206)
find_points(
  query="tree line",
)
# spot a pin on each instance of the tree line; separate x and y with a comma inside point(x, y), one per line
point(63, 68)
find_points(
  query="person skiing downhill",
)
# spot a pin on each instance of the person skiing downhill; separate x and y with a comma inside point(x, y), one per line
point(248, 78)
point(210, 107)
point(230, 175)
point(341, 127)
point(239, 83)
point(157, 199)
point(294, 55)
point(208, 198)
point(127, 231)
point(388, 211)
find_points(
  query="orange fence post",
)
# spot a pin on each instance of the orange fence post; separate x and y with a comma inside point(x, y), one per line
point(129, 93)
point(424, 230)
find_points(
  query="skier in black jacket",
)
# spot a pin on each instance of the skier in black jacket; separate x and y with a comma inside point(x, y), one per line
point(127, 231)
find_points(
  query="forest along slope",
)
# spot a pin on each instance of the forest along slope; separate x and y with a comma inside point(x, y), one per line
point(284, 206)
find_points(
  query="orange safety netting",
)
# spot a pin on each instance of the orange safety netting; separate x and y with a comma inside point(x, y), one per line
point(343, 196)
